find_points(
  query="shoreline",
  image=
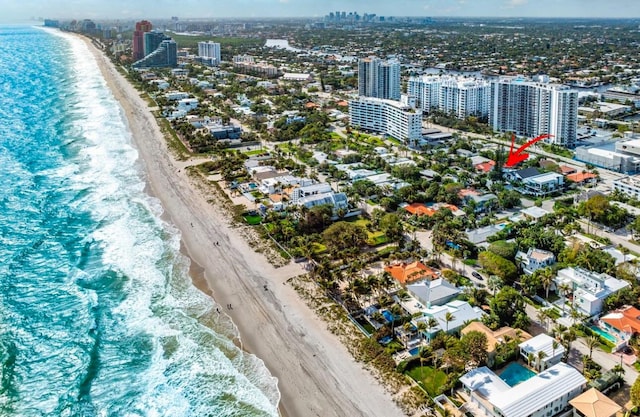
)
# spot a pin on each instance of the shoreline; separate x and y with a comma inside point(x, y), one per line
point(316, 374)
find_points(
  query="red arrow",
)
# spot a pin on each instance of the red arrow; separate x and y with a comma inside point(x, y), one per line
point(517, 156)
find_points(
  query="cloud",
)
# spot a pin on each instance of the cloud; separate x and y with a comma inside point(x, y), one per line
point(516, 3)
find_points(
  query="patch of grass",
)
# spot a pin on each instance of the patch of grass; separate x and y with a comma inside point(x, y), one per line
point(172, 139)
point(252, 219)
point(376, 238)
point(432, 380)
point(253, 152)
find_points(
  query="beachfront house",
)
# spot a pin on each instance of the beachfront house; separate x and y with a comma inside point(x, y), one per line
point(542, 343)
point(589, 288)
point(546, 394)
point(461, 313)
point(433, 292)
point(405, 273)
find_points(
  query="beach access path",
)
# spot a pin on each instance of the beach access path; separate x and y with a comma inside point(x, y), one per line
point(317, 375)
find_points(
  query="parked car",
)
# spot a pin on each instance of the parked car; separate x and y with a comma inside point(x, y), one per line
point(477, 275)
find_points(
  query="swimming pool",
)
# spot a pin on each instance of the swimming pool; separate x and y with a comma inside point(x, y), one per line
point(515, 373)
point(604, 334)
point(414, 351)
point(387, 315)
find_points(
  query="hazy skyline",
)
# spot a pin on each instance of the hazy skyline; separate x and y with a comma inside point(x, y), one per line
point(14, 11)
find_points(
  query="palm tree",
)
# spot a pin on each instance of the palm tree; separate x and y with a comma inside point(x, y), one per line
point(618, 370)
point(546, 278)
point(423, 353)
point(554, 346)
point(421, 326)
point(431, 324)
point(494, 283)
point(592, 342)
point(396, 311)
point(564, 289)
point(530, 358)
point(448, 317)
point(541, 356)
point(543, 315)
point(406, 330)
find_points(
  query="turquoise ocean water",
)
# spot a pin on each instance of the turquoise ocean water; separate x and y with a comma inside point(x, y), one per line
point(98, 316)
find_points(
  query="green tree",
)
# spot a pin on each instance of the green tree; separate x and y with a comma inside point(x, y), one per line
point(391, 226)
point(345, 238)
point(539, 359)
point(474, 345)
point(448, 317)
point(497, 265)
point(635, 393)
point(505, 249)
point(592, 342)
point(507, 305)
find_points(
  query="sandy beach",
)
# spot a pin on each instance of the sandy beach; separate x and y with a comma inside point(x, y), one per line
point(317, 375)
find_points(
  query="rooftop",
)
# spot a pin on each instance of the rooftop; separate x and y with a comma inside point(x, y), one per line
point(496, 337)
point(544, 343)
point(414, 271)
point(593, 403)
point(626, 319)
point(531, 395)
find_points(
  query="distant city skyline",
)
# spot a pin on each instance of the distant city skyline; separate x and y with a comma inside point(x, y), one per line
point(25, 10)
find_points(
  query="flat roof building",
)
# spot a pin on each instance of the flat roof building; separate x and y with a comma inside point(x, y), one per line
point(546, 394)
point(387, 117)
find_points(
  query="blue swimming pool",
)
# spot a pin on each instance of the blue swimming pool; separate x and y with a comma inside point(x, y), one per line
point(515, 373)
point(387, 315)
point(414, 351)
point(602, 333)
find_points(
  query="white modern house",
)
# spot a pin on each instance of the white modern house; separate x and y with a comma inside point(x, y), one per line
point(461, 312)
point(309, 190)
point(543, 184)
point(544, 395)
point(534, 259)
point(589, 288)
point(542, 343)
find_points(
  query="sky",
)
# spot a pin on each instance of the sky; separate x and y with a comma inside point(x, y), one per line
point(24, 10)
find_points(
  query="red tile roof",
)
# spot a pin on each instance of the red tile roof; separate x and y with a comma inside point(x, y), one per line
point(581, 177)
point(420, 209)
point(406, 273)
point(564, 169)
point(485, 166)
point(626, 320)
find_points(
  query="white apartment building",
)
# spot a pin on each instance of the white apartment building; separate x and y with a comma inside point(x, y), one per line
point(529, 108)
point(378, 78)
point(388, 117)
point(461, 96)
point(210, 50)
point(426, 90)
point(465, 97)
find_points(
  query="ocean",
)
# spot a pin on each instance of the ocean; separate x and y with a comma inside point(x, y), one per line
point(98, 316)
